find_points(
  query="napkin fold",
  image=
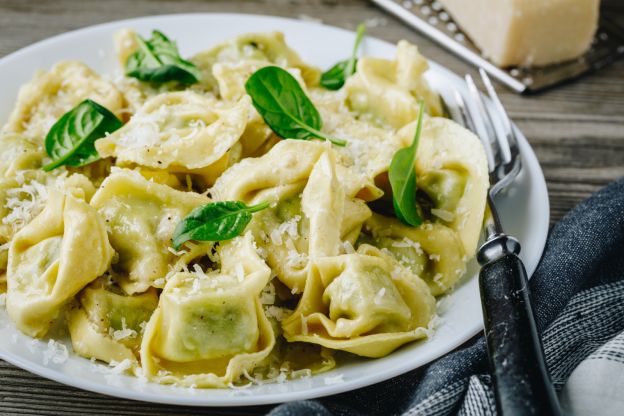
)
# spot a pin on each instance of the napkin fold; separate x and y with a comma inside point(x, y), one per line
point(578, 300)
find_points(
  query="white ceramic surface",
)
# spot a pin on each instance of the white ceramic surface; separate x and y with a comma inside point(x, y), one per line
point(524, 209)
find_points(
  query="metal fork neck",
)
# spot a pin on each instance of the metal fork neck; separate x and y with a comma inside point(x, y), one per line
point(497, 243)
point(493, 225)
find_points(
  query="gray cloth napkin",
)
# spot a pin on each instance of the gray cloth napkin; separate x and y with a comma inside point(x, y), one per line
point(578, 299)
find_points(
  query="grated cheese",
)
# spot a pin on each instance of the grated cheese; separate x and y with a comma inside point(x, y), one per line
point(240, 272)
point(348, 247)
point(334, 379)
point(407, 243)
point(24, 203)
point(303, 373)
point(176, 253)
point(124, 332)
point(290, 227)
point(56, 353)
point(437, 280)
point(277, 312)
point(443, 214)
point(379, 296)
point(114, 368)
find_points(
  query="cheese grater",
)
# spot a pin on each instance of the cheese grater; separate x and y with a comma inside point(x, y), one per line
point(429, 17)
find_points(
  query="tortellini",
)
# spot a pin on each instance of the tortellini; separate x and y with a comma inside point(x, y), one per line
point(181, 132)
point(210, 327)
point(51, 94)
point(18, 153)
point(108, 325)
point(311, 205)
point(259, 47)
point(451, 168)
point(432, 251)
point(141, 216)
point(363, 303)
point(47, 265)
point(388, 91)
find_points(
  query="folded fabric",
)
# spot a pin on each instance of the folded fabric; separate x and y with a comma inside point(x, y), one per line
point(578, 299)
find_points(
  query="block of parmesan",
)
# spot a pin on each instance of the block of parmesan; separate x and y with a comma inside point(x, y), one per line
point(527, 32)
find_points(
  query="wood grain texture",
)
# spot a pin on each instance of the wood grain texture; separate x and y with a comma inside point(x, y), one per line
point(577, 131)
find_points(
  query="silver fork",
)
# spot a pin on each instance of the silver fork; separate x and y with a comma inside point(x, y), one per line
point(521, 379)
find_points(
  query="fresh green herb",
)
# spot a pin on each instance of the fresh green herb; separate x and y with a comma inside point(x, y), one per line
point(285, 107)
point(335, 77)
point(157, 60)
point(216, 221)
point(71, 139)
point(402, 175)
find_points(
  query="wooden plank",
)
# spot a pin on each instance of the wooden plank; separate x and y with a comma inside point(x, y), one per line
point(576, 131)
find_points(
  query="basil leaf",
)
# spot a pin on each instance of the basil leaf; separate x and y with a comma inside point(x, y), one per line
point(157, 60)
point(71, 139)
point(402, 175)
point(335, 77)
point(216, 221)
point(285, 107)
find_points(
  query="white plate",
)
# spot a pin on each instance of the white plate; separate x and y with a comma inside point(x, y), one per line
point(525, 212)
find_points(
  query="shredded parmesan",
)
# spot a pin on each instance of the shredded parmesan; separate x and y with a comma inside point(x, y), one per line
point(437, 279)
point(379, 296)
point(334, 379)
point(177, 253)
point(24, 203)
point(56, 353)
point(303, 373)
point(277, 312)
point(276, 237)
point(290, 227)
point(406, 243)
point(348, 247)
point(124, 332)
point(240, 272)
point(443, 214)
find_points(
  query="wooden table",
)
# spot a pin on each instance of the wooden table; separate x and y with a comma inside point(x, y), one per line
point(577, 131)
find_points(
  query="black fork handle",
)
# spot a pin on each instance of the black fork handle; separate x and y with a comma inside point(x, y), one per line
point(521, 379)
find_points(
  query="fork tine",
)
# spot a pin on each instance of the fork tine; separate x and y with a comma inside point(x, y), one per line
point(483, 128)
point(506, 138)
point(463, 117)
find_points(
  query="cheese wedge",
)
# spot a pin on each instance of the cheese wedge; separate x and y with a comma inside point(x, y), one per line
point(527, 32)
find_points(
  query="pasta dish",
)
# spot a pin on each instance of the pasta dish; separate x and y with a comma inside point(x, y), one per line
point(238, 216)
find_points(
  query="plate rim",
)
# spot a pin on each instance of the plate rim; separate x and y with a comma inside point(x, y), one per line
point(529, 158)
